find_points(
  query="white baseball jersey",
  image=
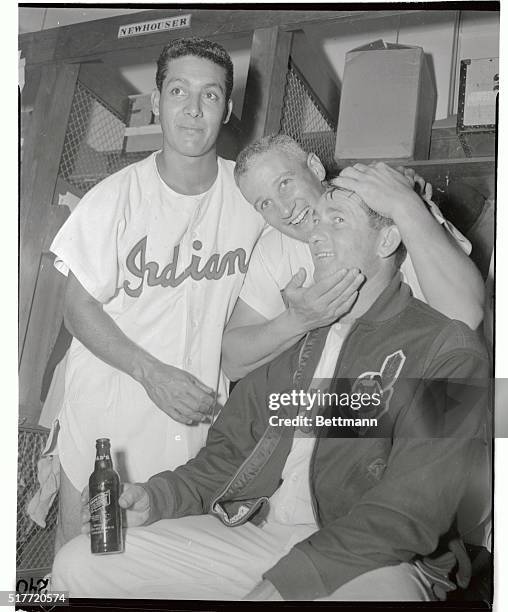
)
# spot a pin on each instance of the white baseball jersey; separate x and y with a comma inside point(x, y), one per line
point(167, 268)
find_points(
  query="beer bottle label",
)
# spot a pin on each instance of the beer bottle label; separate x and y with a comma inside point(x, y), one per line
point(101, 500)
point(102, 519)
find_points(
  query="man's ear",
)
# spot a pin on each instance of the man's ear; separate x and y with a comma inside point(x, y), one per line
point(156, 96)
point(388, 241)
point(228, 110)
point(315, 166)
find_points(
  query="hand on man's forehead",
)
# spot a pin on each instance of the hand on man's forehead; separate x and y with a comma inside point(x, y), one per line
point(340, 194)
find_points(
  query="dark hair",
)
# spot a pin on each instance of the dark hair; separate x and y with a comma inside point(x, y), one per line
point(272, 142)
point(198, 47)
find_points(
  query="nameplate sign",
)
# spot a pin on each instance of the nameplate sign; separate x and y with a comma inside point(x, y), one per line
point(157, 25)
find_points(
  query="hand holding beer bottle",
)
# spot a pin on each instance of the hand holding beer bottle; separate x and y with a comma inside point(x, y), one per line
point(105, 503)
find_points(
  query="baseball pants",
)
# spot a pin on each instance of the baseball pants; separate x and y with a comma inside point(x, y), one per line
point(197, 557)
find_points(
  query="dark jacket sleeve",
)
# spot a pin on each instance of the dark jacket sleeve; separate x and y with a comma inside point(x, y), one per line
point(189, 489)
point(416, 500)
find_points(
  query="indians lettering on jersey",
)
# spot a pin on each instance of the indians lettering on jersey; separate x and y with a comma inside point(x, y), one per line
point(213, 269)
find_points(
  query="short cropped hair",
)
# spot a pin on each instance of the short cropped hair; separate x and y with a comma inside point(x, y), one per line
point(273, 142)
point(198, 47)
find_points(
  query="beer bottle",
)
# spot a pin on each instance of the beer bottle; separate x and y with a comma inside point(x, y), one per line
point(105, 512)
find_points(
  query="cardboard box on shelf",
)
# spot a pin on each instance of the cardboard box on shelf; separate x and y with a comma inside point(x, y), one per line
point(387, 104)
point(142, 138)
point(144, 132)
point(141, 110)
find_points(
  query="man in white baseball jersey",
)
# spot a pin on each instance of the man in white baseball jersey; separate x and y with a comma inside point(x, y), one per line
point(154, 256)
point(279, 303)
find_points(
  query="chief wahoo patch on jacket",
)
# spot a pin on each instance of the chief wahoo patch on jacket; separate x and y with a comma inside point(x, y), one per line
point(382, 383)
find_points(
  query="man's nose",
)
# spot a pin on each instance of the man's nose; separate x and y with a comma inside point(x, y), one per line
point(285, 208)
point(317, 234)
point(193, 107)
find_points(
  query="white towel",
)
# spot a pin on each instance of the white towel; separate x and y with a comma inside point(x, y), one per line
point(48, 475)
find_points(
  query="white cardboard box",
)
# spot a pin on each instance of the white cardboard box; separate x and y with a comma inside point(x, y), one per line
point(387, 104)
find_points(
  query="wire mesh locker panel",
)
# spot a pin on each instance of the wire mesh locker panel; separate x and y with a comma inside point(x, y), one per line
point(93, 146)
point(34, 544)
point(304, 119)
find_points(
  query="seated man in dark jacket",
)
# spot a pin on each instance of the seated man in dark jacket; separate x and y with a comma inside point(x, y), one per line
point(333, 471)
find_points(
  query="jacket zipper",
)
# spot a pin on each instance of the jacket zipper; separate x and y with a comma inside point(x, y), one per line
point(223, 490)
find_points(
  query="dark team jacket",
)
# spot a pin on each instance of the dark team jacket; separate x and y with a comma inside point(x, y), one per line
point(381, 496)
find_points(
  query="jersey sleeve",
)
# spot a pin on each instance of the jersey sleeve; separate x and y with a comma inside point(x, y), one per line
point(87, 244)
point(261, 288)
point(458, 236)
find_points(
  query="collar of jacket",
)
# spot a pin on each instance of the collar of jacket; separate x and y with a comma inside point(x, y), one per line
point(392, 300)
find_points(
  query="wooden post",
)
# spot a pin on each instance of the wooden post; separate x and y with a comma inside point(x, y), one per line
point(42, 149)
point(266, 83)
point(43, 324)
